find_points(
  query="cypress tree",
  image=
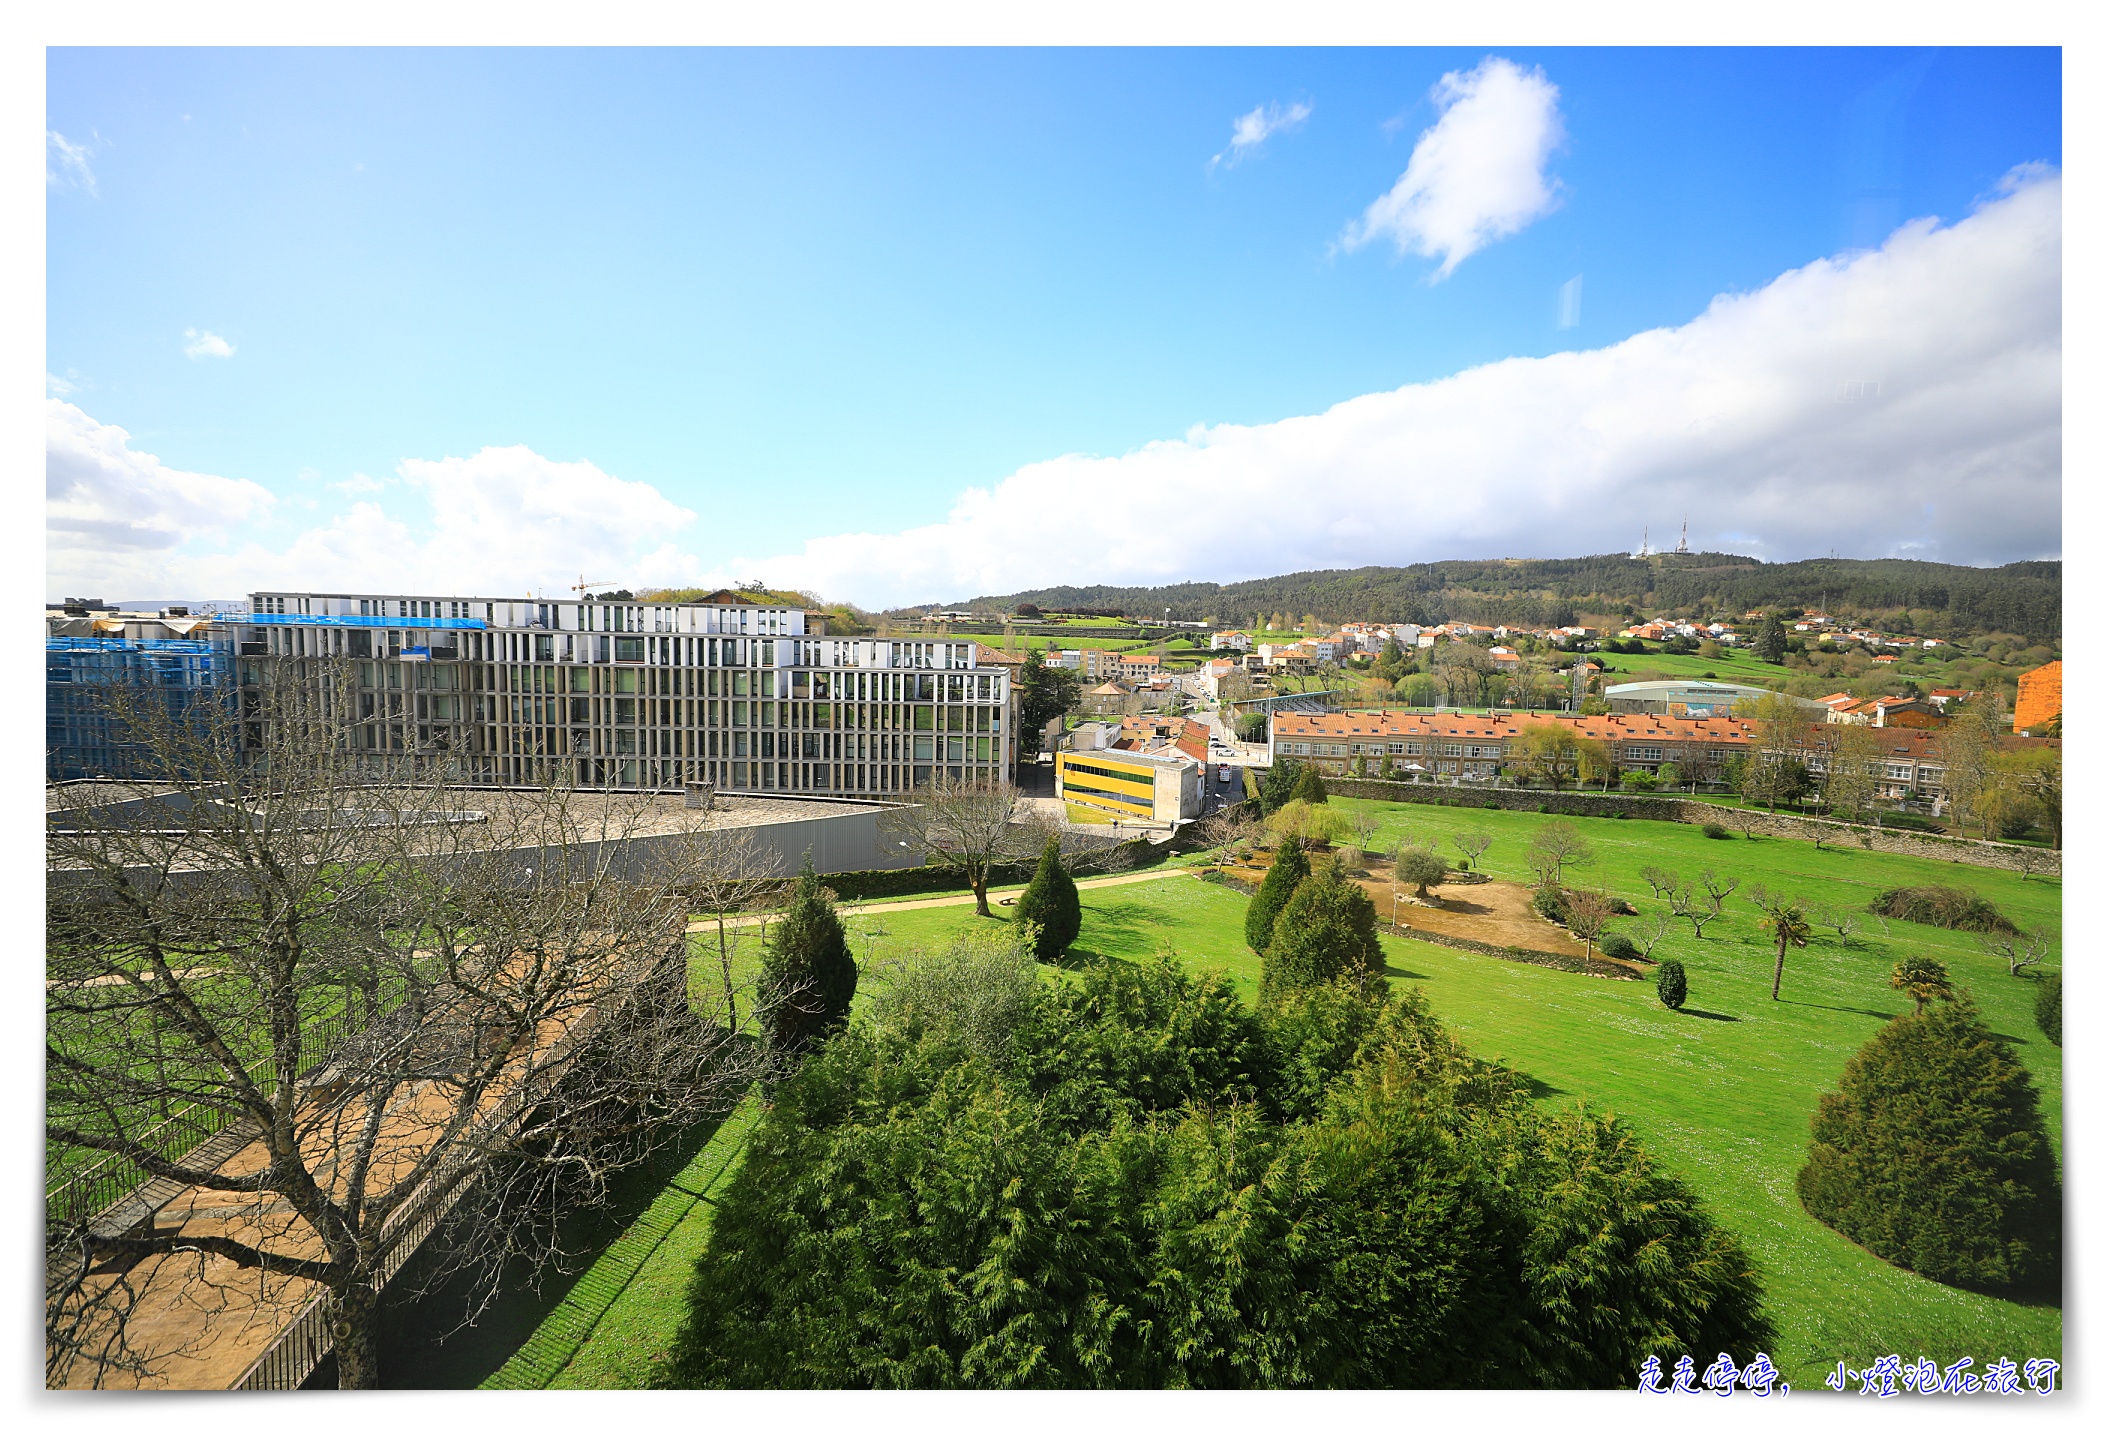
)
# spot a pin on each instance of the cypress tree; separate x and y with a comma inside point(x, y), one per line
point(1932, 1154)
point(1309, 787)
point(807, 974)
point(1289, 869)
point(1050, 901)
point(1670, 984)
point(1326, 931)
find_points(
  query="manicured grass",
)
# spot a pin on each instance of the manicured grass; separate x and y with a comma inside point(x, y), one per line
point(1721, 1091)
point(620, 1316)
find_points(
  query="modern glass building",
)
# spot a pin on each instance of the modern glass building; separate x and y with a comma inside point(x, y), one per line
point(742, 695)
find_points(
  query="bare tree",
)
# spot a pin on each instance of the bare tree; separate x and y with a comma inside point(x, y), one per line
point(380, 1020)
point(2019, 951)
point(733, 876)
point(1651, 931)
point(968, 826)
point(1586, 914)
point(1840, 918)
point(1661, 880)
point(1226, 830)
point(1471, 845)
point(1717, 890)
point(1695, 910)
point(1558, 846)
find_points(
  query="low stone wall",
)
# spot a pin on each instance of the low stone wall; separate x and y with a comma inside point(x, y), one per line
point(2012, 857)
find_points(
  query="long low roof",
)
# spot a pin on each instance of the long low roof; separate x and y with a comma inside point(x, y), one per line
point(1609, 728)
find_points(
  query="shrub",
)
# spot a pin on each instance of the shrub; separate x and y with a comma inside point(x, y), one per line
point(1289, 869)
point(1050, 902)
point(2049, 1008)
point(1932, 1155)
point(1421, 867)
point(1713, 830)
point(1310, 788)
point(1616, 944)
point(975, 991)
point(1669, 984)
point(1958, 909)
point(1550, 903)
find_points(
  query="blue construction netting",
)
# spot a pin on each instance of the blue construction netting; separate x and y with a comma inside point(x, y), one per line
point(80, 740)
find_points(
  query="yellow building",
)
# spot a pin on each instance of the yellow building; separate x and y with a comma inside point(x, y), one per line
point(1134, 787)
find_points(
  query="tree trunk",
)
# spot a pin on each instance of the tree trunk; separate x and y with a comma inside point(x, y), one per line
point(980, 893)
point(1778, 971)
point(353, 1323)
point(724, 963)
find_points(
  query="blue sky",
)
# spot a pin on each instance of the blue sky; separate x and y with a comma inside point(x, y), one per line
point(800, 295)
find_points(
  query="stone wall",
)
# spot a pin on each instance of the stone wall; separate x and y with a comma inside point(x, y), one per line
point(2013, 857)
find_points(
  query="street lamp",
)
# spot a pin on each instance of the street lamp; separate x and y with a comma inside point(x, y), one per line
point(1396, 898)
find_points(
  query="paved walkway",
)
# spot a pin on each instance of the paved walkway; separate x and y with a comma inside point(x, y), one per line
point(956, 900)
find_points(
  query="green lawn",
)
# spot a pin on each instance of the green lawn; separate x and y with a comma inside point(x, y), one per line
point(1722, 1090)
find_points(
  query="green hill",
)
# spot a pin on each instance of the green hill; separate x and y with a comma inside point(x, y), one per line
point(1935, 600)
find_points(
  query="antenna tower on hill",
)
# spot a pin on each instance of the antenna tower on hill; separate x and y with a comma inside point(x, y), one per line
point(1683, 545)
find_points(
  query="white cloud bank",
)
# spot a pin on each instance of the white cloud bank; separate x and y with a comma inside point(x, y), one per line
point(1905, 401)
point(1742, 418)
point(112, 513)
point(504, 520)
point(1477, 174)
point(1251, 130)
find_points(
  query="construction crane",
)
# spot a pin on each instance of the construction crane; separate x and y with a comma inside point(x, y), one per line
point(581, 587)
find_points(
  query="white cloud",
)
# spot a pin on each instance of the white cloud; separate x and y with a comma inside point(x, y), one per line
point(112, 513)
point(1906, 400)
point(1251, 130)
point(356, 484)
point(71, 159)
point(57, 386)
point(503, 520)
point(1734, 417)
point(204, 344)
point(1477, 174)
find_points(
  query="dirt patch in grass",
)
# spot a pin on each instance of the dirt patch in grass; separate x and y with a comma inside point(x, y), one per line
point(1490, 912)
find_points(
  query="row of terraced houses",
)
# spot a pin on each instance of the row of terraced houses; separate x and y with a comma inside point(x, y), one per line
point(1469, 748)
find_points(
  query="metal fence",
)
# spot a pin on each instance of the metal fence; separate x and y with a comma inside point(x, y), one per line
point(107, 1182)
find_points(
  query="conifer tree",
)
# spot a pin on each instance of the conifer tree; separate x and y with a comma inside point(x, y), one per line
point(1326, 931)
point(1050, 903)
point(1310, 787)
point(1932, 1154)
point(807, 974)
point(1279, 784)
point(1289, 869)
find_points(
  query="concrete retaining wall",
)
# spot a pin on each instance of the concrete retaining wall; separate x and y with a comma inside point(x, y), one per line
point(2010, 856)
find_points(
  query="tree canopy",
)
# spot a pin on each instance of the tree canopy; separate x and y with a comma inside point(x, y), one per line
point(1148, 1185)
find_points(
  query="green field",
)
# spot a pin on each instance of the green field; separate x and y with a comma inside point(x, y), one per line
point(1722, 1090)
